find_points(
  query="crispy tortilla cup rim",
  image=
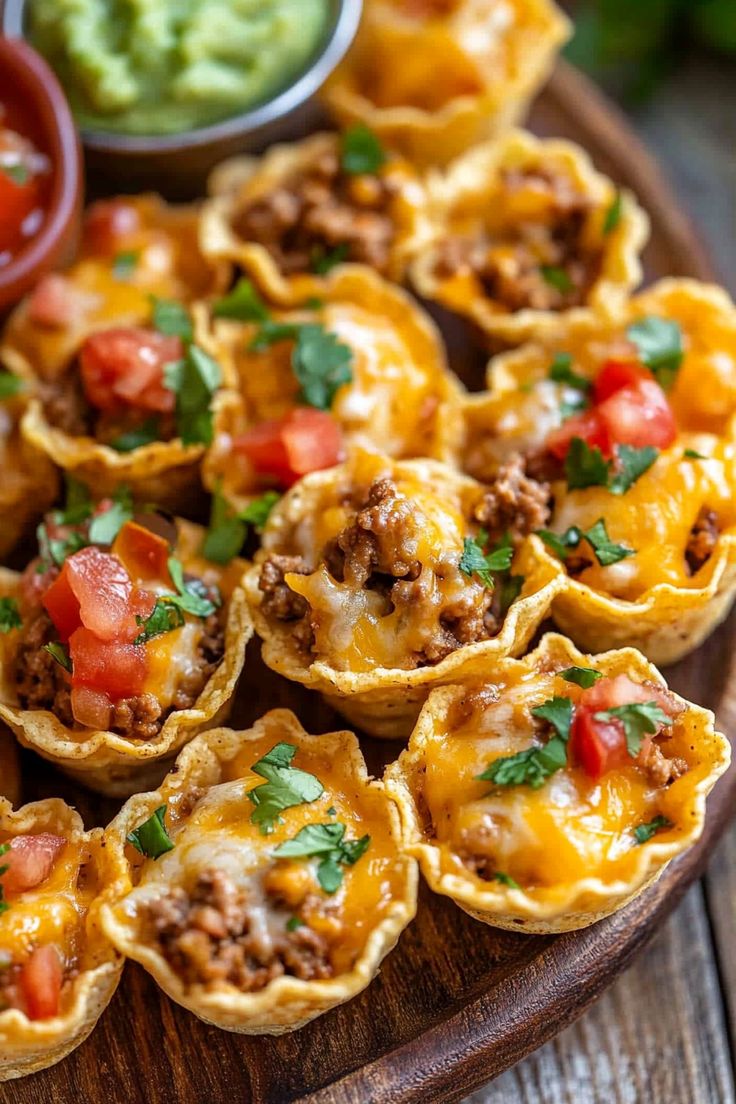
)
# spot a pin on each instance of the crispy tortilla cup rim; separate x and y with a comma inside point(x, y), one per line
point(589, 899)
point(218, 240)
point(287, 1002)
point(621, 269)
point(437, 136)
point(114, 764)
point(30, 1045)
point(544, 577)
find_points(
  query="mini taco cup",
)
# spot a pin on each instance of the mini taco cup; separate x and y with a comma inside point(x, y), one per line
point(64, 914)
point(577, 847)
point(528, 236)
point(375, 647)
point(347, 928)
point(378, 218)
point(189, 677)
point(400, 398)
point(433, 79)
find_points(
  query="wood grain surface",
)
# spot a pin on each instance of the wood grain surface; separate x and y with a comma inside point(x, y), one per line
point(457, 1002)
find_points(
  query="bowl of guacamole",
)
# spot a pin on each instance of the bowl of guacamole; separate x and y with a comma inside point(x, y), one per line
point(192, 80)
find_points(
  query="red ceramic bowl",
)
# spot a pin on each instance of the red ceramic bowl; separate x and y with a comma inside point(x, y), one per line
point(34, 85)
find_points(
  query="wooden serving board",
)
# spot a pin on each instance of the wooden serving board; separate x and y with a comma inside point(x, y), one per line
point(457, 1002)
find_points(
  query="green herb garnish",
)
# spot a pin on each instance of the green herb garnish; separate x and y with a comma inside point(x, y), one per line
point(585, 466)
point(60, 653)
point(151, 837)
point(172, 319)
point(361, 152)
point(227, 529)
point(659, 342)
point(581, 676)
point(145, 434)
point(10, 385)
point(125, 264)
point(285, 786)
point(4, 906)
point(692, 454)
point(560, 370)
point(644, 832)
point(632, 463)
point(606, 551)
point(10, 617)
point(613, 215)
point(638, 720)
point(104, 527)
point(506, 879)
point(557, 278)
point(164, 618)
point(476, 561)
point(323, 261)
point(192, 594)
point(293, 923)
point(534, 765)
point(243, 304)
point(194, 380)
point(327, 841)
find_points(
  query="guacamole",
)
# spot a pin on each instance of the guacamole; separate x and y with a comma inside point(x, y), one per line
point(163, 66)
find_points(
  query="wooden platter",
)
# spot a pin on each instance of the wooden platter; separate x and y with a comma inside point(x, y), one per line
point(457, 1002)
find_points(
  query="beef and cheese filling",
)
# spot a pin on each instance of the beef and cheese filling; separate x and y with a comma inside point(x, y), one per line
point(339, 204)
point(282, 869)
point(392, 574)
point(45, 893)
point(552, 777)
point(109, 629)
point(538, 246)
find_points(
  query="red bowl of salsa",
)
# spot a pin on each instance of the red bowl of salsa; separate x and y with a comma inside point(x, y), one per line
point(41, 190)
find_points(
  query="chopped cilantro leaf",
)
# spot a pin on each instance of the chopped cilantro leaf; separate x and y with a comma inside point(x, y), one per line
point(10, 385)
point(151, 837)
point(613, 215)
point(270, 332)
point(659, 341)
point(573, 404)
point(633, 462)
point(56, 551)
point(323, 261)
point(560, 371)
point(534, 765)
point(146, 433)
point(361, 151)
point(638, 719)
point(104, 527)
point(77, 503)
point(556, 277)
point(243, 304)
point(60, 653)
point(9, 615)
point(558, 712)
point(4, 906)
point(227, 529)
point(606, 551)
point(510, 589)
point(189, 596)
point(475, 561)
point(125, 264)
point(585, 466)
point(325, 840)
point(506, 879)
point(194, 380)
point(692, 454)
point(285, 786)
point(581, 676)
point(293, 923)
point(18, 173)
point(172, 318)
point(257, 513)
point(164, 618)
point(561, 543)
point(644, 832)
point(321, 363)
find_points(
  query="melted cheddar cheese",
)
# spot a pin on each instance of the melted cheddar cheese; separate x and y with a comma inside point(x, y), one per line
point(546, 839)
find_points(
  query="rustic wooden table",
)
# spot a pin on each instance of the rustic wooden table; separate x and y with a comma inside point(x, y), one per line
point(665, 1033)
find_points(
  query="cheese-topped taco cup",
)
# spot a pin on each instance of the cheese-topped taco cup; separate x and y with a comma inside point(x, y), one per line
point(30, 483)
point(119, 644)
point(548, 792)
point(59, 970)
point(364, 368)
point(94, 347)
point(302, 209)
point(281, 888)
point(629, 426)
point(381, 579)
point(432, 77)
point(527, 235)
point(9, 767)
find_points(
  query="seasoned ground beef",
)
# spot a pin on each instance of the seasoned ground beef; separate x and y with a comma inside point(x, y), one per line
point(309, 216)
point(278, 600)
point(658, 768)
point(66, 408)
point(41, 682)
point(703, 539)
point(541, 264)
point(513, 503)
point(214, 935)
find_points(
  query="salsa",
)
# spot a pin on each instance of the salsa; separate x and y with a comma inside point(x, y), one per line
point(165, 66)
point(25, 178)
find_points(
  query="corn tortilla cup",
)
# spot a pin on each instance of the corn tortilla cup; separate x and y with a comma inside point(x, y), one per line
point(118, 765)
point(358, 645)
point(205, 796)
point(235, 228)
point(402, 399)
point(527, 237)
point(575, 858)
point(67, 914)
point(432, 79)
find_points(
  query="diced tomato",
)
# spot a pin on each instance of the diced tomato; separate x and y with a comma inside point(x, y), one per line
point(616, 374)
point(91, 707)
point(62, 606)
point(41, 978)
point(103, 589)
point(639, 415)
point(609, 693)
point(30, 860)
point(588, 426)
point(144, 554)
point(303, 441)
point(54, 302)
point(108, 223)
point(116, 668)
point(125, 365)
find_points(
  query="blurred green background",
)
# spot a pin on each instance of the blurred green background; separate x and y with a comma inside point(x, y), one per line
point(630, 46)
